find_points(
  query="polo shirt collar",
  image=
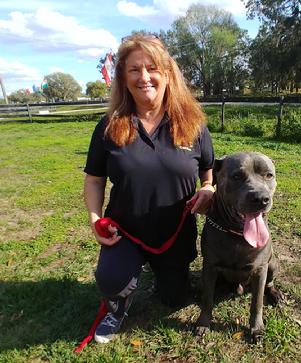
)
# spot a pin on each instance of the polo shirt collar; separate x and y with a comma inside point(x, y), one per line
point(139, 126)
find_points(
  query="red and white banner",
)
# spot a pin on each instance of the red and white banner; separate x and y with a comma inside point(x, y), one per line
point(107, 68)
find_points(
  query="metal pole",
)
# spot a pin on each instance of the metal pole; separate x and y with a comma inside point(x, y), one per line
point(223, 114)
point(3, 91)
point(280, 112)
point(29, 112)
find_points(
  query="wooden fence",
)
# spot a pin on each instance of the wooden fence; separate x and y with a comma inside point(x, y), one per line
point(32, 112)
point(52, 111)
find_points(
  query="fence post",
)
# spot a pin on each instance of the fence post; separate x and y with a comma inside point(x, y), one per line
point(29, 112)
point(279, 116)
point(223, 114)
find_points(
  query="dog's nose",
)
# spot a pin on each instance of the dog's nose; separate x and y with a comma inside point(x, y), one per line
point(259, 200)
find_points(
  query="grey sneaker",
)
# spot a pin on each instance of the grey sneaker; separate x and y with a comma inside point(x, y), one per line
point(111, 323)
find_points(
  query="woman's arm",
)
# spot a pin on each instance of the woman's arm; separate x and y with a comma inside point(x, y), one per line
point(204, 195)
point(206, 178)
point(94, 194)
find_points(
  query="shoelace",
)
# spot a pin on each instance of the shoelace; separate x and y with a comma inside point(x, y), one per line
point(111, 321)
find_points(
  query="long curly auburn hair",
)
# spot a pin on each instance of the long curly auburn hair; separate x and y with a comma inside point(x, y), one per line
point(185, 114)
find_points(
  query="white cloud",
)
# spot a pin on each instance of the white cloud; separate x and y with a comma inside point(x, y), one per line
point(130, 8)
point(17, 25)
point(17, 71)
point(174, 7)
point(92, 52)
point(170, 9)
point(16, 75)
point(48, 30)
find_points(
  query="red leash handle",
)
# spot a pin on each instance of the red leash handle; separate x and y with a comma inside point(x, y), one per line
point(102, 225)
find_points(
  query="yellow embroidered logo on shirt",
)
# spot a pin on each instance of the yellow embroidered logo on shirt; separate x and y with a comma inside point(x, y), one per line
point(188, 148)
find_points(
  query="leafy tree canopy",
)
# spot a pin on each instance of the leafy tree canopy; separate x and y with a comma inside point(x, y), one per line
point(97, 89)
point(209, 47)
point(23, 96)
point(277, 48)
point(62, 86)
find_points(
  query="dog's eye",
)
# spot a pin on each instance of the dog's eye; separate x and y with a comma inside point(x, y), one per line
point(269, 176)
point(238, 176)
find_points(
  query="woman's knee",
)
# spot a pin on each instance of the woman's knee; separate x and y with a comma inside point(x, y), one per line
point(118, 269)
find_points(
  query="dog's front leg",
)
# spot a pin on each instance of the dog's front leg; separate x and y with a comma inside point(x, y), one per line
point(209, 280)
point(273, 295)
point(258, 284)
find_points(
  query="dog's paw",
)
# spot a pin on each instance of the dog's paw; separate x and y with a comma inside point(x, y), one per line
point(203, 323)
point(201, 330)
point(274, 296)
point(256, 335)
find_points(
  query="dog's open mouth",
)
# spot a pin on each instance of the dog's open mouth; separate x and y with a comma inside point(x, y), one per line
point(255, 231)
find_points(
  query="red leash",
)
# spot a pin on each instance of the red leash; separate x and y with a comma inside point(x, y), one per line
point(100, 315)
point(101, 226)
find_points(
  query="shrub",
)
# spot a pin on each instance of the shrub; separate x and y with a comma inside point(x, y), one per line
point(291, 126)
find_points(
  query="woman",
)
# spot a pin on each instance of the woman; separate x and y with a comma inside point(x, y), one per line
point(153, 145)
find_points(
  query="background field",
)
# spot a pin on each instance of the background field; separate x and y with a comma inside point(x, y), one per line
point(48, 298)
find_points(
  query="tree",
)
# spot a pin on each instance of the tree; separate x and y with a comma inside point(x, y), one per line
point(96, 89)
point(24, 96)
point(62, 86)
point(227, 57)
point(209, 47)
point(266, 64)
point(281, 29)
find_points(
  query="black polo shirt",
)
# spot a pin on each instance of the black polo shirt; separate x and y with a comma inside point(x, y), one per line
point(151, 179)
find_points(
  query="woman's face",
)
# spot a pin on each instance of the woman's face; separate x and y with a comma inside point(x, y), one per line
point(144, 80)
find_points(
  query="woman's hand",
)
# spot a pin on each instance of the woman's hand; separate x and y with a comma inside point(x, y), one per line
point(94, 192)
point(203, 199)
point(110, 241)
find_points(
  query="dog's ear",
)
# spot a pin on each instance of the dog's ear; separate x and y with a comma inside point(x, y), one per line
point(217, 167)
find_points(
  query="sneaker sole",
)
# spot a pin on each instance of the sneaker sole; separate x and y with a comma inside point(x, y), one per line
point(103, 340)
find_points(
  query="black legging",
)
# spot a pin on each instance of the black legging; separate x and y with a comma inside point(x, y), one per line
point(119, 267)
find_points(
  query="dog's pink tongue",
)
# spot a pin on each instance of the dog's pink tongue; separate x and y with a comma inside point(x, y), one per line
point(255, 230)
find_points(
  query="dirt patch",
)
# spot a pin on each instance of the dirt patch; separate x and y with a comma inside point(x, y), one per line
point(80, 234)
point(287, 251)
point(52, 249)
point(70, 213)
point(19, 224)
point(54, 265)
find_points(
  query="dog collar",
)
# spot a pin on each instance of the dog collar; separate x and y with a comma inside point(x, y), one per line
point(220, 228)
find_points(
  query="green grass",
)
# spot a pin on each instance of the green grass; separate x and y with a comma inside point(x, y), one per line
point(48, 297)
point(260, 120)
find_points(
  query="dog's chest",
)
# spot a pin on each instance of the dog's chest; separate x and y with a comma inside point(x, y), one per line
point(231, 255)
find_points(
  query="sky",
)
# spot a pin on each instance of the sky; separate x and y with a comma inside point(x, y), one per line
point(39, 37)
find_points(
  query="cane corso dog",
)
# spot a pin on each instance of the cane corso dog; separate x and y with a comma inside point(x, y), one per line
point(235, 239)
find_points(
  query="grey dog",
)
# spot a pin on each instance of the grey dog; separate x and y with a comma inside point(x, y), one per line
point(235, 239)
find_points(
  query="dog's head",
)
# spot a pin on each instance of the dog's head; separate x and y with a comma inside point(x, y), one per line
point(246, 183)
